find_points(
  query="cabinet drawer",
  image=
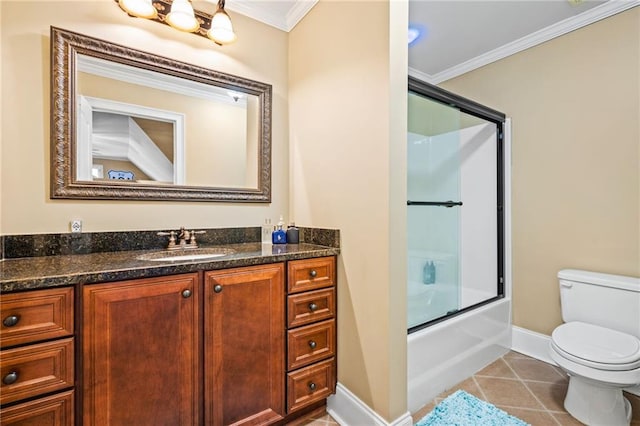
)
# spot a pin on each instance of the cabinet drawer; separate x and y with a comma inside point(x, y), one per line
point(305, 308)
point(310, 384)
point(310, 274)
point(310, 343)
point(54, 410)
point(36, 315)
point(35, 369)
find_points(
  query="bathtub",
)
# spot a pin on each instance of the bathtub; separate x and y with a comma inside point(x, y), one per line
point(426, 302)
point(448, 352)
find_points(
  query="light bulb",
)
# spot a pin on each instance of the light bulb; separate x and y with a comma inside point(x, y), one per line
point(221, 30)
point(182, 17)
point(139, 8)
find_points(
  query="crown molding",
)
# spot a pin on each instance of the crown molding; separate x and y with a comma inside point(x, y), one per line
point(558, 29)
point(285, 23)
point(421, 75)
point(298, 11)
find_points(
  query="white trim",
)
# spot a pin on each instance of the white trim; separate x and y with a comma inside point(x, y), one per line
point(285, 23)
point(536, 346)
point(421, 75)
point(532, 344)
point(298, 11)
point(156, 80)
point(349, 410)
point(558, 29)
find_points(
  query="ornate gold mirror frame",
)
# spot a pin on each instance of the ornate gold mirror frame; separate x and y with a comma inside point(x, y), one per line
point(65, 48)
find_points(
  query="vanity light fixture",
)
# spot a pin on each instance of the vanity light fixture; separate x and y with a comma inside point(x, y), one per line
point(181, 15)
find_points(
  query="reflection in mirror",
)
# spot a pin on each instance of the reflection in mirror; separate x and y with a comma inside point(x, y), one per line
point(147, 127)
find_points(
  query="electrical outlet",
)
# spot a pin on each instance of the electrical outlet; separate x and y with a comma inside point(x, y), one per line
point(76, 225)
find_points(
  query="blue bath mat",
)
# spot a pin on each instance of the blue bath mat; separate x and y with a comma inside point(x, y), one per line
point(463, 409)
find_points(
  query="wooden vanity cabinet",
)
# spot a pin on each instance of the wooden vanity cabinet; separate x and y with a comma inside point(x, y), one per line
point(141, 352)
point(37, 358)
point(244, 362)
point(311, 331)
point(252, 345)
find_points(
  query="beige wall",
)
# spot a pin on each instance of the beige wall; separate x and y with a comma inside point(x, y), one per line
point(259, 54)
point(575, 107)
point(348, 170)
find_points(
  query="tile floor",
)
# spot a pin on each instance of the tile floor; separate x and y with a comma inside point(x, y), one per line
point(529, 389)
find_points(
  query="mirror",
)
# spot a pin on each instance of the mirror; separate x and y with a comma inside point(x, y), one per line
point(127, 124)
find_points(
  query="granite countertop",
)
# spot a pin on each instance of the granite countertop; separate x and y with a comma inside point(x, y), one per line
point(53, 271)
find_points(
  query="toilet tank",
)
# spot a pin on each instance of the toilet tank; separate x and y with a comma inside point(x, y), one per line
point(611, 301)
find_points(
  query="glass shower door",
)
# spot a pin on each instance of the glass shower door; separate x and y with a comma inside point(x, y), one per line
point(452, 210)
point(433, 209)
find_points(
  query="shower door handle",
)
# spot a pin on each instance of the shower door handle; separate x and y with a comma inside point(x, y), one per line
point(447, 204)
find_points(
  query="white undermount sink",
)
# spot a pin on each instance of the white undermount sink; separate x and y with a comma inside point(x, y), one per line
point(185, 254)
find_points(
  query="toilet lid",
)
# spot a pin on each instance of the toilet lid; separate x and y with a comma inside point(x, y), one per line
point(599, 345)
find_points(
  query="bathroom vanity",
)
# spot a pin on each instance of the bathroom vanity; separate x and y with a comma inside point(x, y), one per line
point(107, 339)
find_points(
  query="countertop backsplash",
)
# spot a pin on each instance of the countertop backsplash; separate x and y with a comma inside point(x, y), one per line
point(36, 245)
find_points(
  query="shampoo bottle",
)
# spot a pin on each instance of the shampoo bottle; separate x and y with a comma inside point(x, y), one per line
point(429, 273)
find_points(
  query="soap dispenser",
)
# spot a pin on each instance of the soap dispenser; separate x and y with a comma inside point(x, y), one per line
point(293, 234)
point(279, 236)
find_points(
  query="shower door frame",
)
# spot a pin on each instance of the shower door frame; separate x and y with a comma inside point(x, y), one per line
point(468, 106)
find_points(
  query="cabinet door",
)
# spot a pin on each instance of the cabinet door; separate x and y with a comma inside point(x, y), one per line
point(140, 352)
point(244, 347)
point(53, 410)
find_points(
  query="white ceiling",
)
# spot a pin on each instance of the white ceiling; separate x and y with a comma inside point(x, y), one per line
point(461, 35)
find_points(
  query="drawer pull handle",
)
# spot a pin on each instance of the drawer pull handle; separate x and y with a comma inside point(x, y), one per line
point(10, 378)
point(313, 307)
point(11, 320)
point(217, 288)
point(312, 344)
point(312, 386)
point(186, 293)
point(313, 273)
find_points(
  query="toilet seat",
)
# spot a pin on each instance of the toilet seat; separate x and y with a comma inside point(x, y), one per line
point(596, 347)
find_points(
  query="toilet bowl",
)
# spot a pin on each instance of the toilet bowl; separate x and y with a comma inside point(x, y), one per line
point(598, 346)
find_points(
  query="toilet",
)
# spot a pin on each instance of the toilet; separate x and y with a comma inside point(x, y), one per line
point(598, 345)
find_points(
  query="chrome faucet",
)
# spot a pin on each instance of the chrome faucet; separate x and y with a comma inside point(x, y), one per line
point(183, 239)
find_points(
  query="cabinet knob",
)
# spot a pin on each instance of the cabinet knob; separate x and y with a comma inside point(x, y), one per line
point(10, 378)
point(312, 344)
point(312, 386)
point(11, 320)
point(217, 288)
point(313, 307)
point(186, 293)
point(313, 273)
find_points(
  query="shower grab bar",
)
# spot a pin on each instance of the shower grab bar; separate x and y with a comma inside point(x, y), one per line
point(447, 204)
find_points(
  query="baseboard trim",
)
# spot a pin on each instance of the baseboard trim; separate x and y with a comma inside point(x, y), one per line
point(349, 410)
point(536, 346)
point(530, 343)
